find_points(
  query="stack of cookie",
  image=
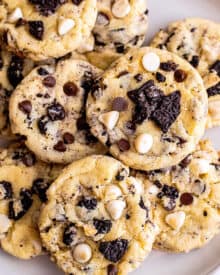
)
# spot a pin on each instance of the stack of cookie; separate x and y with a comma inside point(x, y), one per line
point(104, 157)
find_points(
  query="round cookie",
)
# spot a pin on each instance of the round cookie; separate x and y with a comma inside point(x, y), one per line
point(95, 220)
point(149, 108)
point(48, 108)
point(23, 184)
point(198, 41)
point(185, 200)
point(49, 29)
point(120, 25)
point(12, 70)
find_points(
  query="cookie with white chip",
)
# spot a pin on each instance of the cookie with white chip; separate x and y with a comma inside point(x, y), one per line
point(197, 41)
point(46, 29)
point(149, 108)
point(48, 108)
point(185, 200)
point(95, 220)
point(120, 25)
point(23, 184)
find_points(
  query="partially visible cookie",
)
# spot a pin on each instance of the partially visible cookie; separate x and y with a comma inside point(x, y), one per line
point(186, 200)
point(198, 41)
point(23, 184)
point(48, 108)
point(120, 25)
point(12, 70)
point(96, 220)
point(149, 108)
point(46, 29)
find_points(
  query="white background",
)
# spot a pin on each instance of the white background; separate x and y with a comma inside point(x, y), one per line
point(195, 263)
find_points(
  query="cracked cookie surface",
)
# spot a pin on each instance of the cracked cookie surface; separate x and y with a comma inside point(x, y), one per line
point(49, 29)
point(197, 41)
point(185, 200)
point(149, 108)
point(96, 220)
point(48, 108)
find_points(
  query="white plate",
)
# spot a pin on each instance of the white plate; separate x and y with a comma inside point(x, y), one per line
point(195, 263)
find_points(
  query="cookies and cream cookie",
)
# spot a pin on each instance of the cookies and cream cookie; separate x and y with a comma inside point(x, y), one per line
point(96, 220)
point(48, 108)
point(185, 200)
point(46, 29)
point(120, 25)
point(23, 184)
point(198, 41)
point(149, 108)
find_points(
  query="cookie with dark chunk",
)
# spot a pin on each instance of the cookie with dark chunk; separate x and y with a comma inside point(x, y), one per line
point(43, 29)
point(120, 25)
point(22, 191)
point(197, 41)
point(185, 199)
point(48, 108)
point(150, 114)
point(13, 69)
point(86, 218)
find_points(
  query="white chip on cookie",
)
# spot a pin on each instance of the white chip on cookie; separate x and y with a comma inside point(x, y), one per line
point(200, 166)
point(15, 15)
point(151, 62)
point(109, 119)
point(65, 25)
point(143, 143)
point(176, 219)
point(82, 253)
point(113, 192)
point(121, 8)
point(116, 208)
point(5, 223)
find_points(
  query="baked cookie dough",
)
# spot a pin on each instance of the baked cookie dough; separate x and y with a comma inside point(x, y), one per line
point(23, 184)
point(12, 70)
point(120, 25)
point(46, 29)
point(185, 200)
point(149, 108)
point(96, 220)
point(198, 41)
point(48, 108)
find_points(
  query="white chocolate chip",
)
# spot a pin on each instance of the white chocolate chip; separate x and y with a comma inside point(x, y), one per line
point(5, 223)
point(151, 62)
point(82, 253)
point(143, 143)
point(65, 25)
point(176, 220)
point(15, 15)
point(200, 166)
point(109, 119)
point(112, 192)
point(153, 190)
point(115, 208)
point(121, 8)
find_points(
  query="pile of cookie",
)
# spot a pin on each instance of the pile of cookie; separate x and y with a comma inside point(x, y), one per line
point(102, 157)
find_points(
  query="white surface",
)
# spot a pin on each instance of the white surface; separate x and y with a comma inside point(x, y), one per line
point(198, 262)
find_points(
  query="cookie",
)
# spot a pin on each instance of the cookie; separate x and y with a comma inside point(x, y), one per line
point(120, 25)
point(48, 108)
point(49, 29)
point(197, 41)
point(185, 200)
point(149, 108)
point(12, 70)
point(96, 220)
point(23, 184)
